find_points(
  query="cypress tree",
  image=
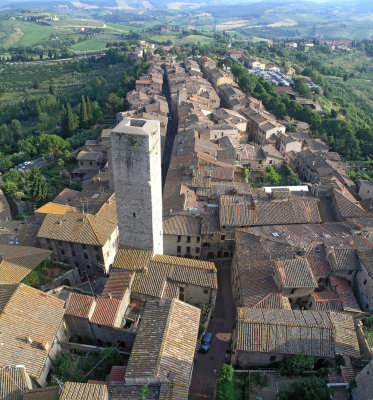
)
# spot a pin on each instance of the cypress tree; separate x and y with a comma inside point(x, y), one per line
point(89, 111)
point(84, 121)
point(64, 121)
point(39, 186)
point(71, 120)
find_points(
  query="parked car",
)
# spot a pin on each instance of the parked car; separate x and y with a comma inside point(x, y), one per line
point(205, 342)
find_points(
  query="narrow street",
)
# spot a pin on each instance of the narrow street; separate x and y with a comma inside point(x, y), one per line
point(204, 379)
point(171, 132)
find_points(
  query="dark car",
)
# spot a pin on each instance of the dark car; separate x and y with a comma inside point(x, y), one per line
point(205, 342)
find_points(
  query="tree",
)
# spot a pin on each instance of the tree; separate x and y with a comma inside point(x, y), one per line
point(144, 392)
point(39, 186)
point(53, 145)
point(224, 383)
point(89, 112)
point(113, 104)
point(306, 389)
point(84, 119)
point(16, 129)
point(301, 87)
point(272, 176)
point(71, 121)
point(296, 365)
point(290, 177)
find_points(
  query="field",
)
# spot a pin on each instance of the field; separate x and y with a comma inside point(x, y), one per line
point(89, 45)
point(33, 33)
point(17, 80)
point(178, 39)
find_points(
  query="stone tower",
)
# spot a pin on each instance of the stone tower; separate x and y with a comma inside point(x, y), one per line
point(136, 164)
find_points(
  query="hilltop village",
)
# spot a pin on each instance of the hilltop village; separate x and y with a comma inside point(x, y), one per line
point(175, 234)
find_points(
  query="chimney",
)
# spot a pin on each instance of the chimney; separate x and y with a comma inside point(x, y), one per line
point(46, 345)
point(110, 296)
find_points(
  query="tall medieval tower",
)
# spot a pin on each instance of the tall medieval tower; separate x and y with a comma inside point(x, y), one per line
point(136, 166)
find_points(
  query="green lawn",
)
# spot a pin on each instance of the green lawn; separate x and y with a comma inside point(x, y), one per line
point(122, 27)
point(89, 44)
point(177, 38)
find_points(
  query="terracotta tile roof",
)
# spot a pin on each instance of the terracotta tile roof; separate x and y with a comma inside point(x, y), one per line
point(316, 257)
point(118, 283)
point(13, 383)
point(296, 211)
point(117, 374)
point(83, 391)
point(255, 268)
point(285, 332)
point(132, 259)
point(168, 351)
point(345, 293)
point(152, 281)
point(327, 301)
point(346, 342)
point(348, 208)
point(6, 292)
point(106, 311)
point(16, 262)
point(295, 273)
point(174, 391)
point(65, 196)
point(32, 314)
point(79, 305)
point(78, 228)
point(182, 225)
point(55, 208)
point(344, 258)
point(274, 301)
point(45, 393)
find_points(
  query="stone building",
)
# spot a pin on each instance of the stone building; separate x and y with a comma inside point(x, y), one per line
point(182, 236)
point(264, 336)
point(159, 276)
point(364, 384)
point(86, 240)
point(136, 161)
point(32, 329)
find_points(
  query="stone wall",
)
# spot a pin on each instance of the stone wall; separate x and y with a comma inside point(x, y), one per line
point(71, 278)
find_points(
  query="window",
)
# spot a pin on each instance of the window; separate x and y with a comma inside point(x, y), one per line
point(188, 239)
point(81, 163)
point(181, 289)
point(198, 239)
point(98, 258)
point(62, 252)
point(86, 255)
point(90, 163)
point(272, 358)
point(188, 249)
point(205, 291)
point(222, 237)
point(365, 282)
point(293, 291)
point(367, 306)
point(50, 248)
point(197, 249)
point(134, 215)
point(179, 249)
point(60, 243)
point(96, 248)
point(179, 238)
point(48, 240)
point(349, 272)
point(84, 246)
point(73, 253)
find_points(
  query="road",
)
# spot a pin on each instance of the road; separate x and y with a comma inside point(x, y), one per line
point(171, 132)
point(204, 379)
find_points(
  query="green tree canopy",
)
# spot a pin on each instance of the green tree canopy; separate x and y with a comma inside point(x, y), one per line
point(272, 176)
point(306, 389)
